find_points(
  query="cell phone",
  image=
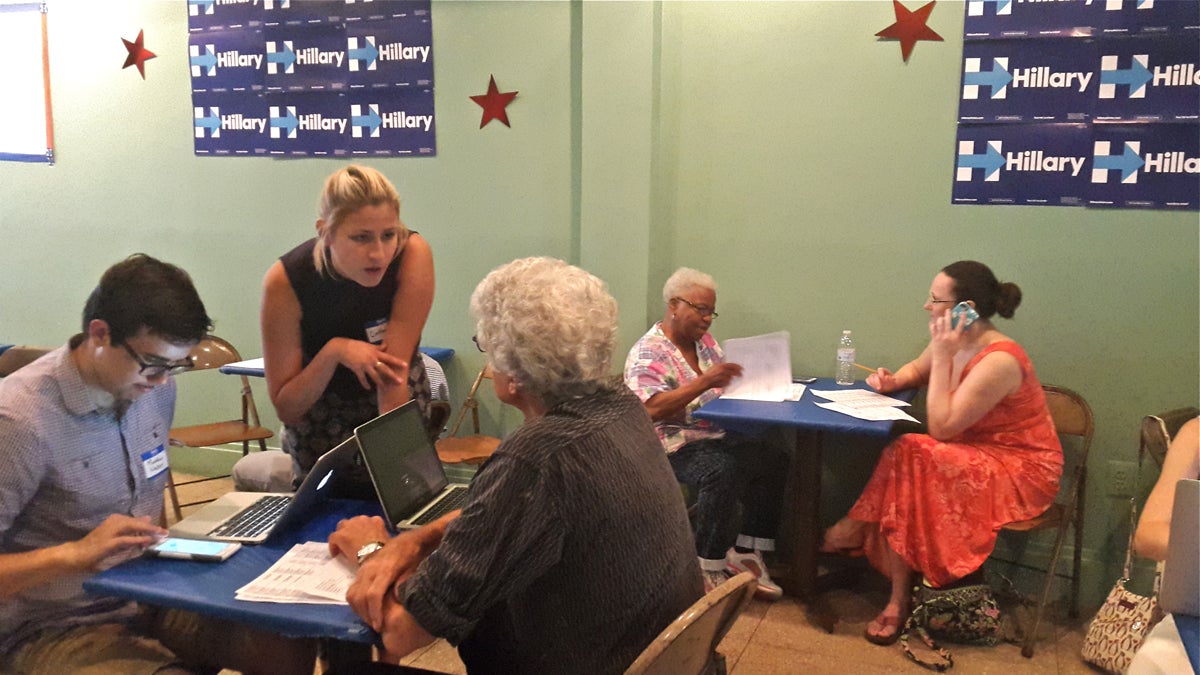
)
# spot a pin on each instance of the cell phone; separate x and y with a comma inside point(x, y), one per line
point(804, 380)
point(965, 312)
point(193, 549)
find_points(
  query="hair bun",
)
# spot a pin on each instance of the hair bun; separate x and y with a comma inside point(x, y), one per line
point(1008, 299)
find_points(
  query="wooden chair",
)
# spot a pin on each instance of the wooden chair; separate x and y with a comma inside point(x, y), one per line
point(1073, 418)
point(473, 449)
point(213, 352)
point(688, 646)
point(18, 357)
point(1158, 430)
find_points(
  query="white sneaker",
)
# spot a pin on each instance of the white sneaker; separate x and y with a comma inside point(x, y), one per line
point(752, 562)
point(713, 578)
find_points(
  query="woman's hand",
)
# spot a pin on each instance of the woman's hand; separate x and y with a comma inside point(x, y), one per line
point(882, 381)
point(721, 374)
point(944, 341)
point(372, 365)
point(355, 533)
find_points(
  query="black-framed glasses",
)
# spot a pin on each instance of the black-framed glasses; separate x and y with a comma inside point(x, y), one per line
point(475, 339)
point(153, 370)
point(702, 310)
point(935, 301)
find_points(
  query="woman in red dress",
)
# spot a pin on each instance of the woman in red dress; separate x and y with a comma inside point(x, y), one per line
point(936, 501)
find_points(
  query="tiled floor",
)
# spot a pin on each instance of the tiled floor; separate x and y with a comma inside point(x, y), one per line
point(781, 638)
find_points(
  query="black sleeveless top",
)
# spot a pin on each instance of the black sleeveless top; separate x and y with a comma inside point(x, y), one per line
point(332, 308)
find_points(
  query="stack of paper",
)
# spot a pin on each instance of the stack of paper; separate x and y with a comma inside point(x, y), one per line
point(863, 404)
point(306, 574)
point(766, 362)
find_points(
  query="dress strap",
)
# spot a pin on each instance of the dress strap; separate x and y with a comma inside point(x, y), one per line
point(1006, 346)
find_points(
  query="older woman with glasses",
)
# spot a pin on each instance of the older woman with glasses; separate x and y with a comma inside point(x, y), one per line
point(676, 368)
point(936, 501)
point(573, 550)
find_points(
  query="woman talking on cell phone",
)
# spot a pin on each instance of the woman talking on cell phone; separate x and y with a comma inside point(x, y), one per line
point(936, 501)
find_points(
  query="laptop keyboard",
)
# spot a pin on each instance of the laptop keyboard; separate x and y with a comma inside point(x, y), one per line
point(254, 519)
point(453, 500)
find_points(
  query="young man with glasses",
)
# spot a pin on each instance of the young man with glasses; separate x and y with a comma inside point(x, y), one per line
point(83, 440)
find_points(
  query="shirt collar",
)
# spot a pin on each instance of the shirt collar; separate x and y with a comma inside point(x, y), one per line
point(80, 397)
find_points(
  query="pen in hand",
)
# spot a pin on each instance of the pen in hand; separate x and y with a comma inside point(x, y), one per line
point(869, 370)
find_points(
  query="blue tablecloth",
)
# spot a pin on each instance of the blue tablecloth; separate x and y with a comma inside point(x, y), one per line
point(1189, 632)
point(754, 416)
point(208, 588)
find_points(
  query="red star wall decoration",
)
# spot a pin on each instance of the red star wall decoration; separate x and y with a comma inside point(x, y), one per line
point(910, 27)
point(138, 54)
point(494, 104)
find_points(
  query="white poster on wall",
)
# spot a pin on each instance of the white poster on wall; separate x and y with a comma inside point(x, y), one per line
point(25, 134)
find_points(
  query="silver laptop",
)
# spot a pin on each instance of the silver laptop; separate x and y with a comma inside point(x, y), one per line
point(253, 517)
point(405, 469)
point(1180, 593)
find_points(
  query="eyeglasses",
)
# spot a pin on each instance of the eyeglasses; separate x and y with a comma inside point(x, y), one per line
point(935, 301)
point(702, 310)
point(153, 370)
point(475, 339)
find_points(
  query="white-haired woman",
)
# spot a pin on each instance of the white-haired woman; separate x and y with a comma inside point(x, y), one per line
point(573, 550)
point(676, 368)
point(342, 316)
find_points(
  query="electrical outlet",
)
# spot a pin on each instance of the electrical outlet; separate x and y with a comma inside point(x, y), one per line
point(1121, 478)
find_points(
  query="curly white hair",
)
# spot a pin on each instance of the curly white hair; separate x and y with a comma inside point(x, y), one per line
point(548, 325)
point(684, 279)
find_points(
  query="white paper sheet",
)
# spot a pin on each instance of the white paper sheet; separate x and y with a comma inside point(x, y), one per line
point(858, 398)
point(306, 574)
point(864, 404)
point(766, 362)
point(874, 414)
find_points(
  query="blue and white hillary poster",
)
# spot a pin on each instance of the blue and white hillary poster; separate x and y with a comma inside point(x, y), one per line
point(226, 60)
point(289, 78)
point(1154, 166)
point(1149, 79)
point(230, 123)
point(1000, 19)
point(1028, 81)
point(1080, 102)
point(389, 54)
point(1030, 164)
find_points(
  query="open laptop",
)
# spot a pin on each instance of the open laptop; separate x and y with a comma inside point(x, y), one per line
point(1180, 592)
point(253, 517)
point(405, 470)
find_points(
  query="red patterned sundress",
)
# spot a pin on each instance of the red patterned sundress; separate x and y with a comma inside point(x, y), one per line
point(939, 505)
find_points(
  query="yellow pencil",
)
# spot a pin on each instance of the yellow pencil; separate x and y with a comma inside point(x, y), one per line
point(859, 365)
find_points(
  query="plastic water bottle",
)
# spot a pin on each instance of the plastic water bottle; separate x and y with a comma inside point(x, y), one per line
point(845, 359)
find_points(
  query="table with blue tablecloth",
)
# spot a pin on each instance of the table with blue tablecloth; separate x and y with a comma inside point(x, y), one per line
point(798, 574)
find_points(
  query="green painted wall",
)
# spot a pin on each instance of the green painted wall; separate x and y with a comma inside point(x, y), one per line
point(778, 146)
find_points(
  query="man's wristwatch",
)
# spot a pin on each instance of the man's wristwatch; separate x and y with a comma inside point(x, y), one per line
point(368, 550)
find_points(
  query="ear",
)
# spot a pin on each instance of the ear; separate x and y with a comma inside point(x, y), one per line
point(513, 388)
point(98, 330)
point(971, 303)
point(320, 225)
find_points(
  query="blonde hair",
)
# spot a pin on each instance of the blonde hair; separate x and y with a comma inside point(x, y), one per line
point(347, 190)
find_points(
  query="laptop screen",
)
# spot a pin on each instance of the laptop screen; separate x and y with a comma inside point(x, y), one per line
point(402, 461)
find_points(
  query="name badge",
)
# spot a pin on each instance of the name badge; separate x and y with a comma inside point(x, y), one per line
point(375, 330)
point(154, 462)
